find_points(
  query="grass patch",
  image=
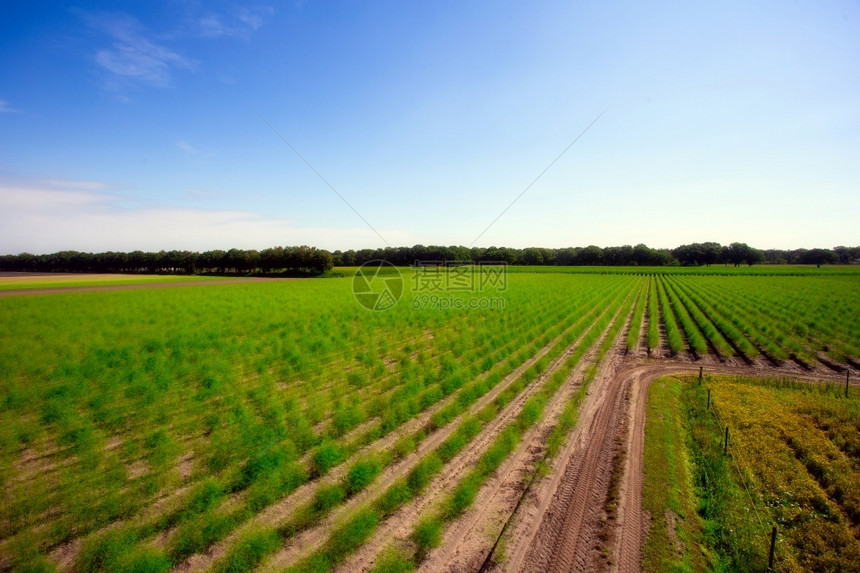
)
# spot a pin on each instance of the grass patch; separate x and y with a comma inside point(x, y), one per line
point(788, 464)
point(667, 493)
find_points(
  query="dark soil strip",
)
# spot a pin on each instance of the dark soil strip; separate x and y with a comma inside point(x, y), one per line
point(801, 363)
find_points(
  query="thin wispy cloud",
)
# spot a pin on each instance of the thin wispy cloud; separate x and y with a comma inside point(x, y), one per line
point(71, 184)
point(187, 147)
point(253, 18)
point(212, 27)
point(138, 56)
point(4, 107)
point(135, 56)
point(241, 22)
point(192, 150)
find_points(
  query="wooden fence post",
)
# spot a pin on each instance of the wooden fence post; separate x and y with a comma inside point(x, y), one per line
point(726, 443)
point(772, 547)
point(700, 374)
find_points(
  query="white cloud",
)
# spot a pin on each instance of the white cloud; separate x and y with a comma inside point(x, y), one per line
point(241, 23)
point(4, 107)
point(134, 57)
point(253, 18)
point(193, 152)
point(41, 218)
point(72, 184)
point(138, 56)
point(187, 147)
point(212, 27)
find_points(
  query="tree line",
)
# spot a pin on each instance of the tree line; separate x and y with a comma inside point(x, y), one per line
point(695, 254)
point(275, 260)
point(312, 261)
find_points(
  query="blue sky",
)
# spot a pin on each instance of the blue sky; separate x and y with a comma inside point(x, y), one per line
point(141, 125)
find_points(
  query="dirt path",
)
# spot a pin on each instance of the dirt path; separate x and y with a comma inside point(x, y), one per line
point(135, 286)
point(632, 527)
point(563, 536)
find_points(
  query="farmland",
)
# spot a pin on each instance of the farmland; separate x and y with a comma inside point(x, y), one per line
point(279, 425)
point(792, 464)
point(24, 281)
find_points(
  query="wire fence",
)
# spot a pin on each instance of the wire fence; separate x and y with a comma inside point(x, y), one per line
point(767, 522)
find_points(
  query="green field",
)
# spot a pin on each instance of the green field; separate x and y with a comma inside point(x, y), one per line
point(793, 463)
point(42, 281)
point(142, 428)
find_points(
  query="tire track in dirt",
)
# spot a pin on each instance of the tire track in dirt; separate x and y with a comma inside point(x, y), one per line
point(630, 534)
point(466, 542)
point(562, 542)
point(548, 502)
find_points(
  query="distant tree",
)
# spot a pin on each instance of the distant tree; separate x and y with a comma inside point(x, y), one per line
point(697, 254)
point(567, 257)
point(642, 255)
point(591, 255)
point(271, 259)
point(548, 255)
point(502, 255)
point(846, 255)
point(818, 257)
point(776, 256)
point(710, 253)
point(616, 256)
point(754, 256)
point(738, 253)
point(531, 256)
point(304, 259)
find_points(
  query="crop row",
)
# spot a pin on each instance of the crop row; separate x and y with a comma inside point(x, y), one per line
point(743, 316)
point(633, 333)
point(653, 316)
point(719, 331)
